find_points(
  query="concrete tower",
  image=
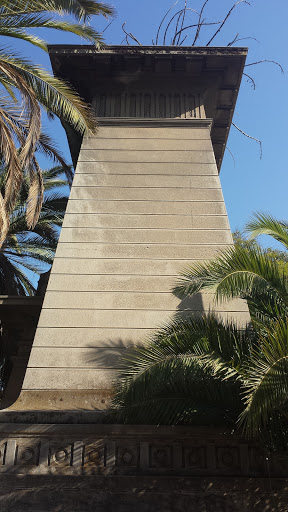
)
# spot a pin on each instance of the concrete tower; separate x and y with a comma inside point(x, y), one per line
point(145, 202)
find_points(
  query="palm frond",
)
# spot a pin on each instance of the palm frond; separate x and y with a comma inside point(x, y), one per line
point(23, 35)
point(265, 224)
point(266, 383)
point(237, 272)
point(81, 10)
point(51, 92)
point(185, 371)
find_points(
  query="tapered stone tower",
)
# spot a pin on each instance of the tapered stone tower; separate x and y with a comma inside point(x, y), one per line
point(146, 201)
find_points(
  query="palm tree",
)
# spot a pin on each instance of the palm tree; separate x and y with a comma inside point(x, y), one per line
point(250, 272)
point(26, 88)
point(202, 371)
point(25, 250)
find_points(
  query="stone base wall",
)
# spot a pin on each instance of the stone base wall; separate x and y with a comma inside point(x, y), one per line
point(83, 468)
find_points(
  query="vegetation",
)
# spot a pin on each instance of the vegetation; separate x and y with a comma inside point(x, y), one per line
point(26, 89)
point(201, 371)
point(25, 250)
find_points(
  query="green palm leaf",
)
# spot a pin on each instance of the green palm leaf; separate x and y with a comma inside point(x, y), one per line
point(81, 10)
point(27, 86)
point(187, 371)
point(266, 379)
point(249, 273)
point(264, 224)
point(25, 250)
point(200, 371)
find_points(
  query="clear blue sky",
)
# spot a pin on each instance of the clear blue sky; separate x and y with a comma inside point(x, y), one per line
point(253, 184)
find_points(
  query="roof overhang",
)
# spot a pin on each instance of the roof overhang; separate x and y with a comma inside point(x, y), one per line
point(218, 69)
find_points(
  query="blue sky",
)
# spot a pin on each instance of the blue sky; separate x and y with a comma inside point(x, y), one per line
point(253, 184)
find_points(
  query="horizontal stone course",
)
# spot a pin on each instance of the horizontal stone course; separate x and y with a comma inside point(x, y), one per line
point(149, 207)
point(90, 155)
point(143, 181)
point(142, 194)
point(147, 168)
point(105, 357)
point(139, 251)
point(146, 221)
point(110, 283)
point(142, 144)
point(123, 319)
point(89, 337)
point(120, 267)
point(67, 378)
point(149, 236)
point(128, 300)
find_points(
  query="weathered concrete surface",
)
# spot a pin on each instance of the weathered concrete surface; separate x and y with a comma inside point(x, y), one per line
point(125, 238)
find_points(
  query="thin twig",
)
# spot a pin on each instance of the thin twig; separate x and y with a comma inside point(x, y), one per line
point(252, 38)
point(177, 24)
point(203, 24)
point(252, 81)
point(165, 34)
point(232, 156)
point(265, 60)
point(180, 44)
point(226, 18)
point(107, 26)
point(184, 15)
point(178, 33)
point(159, 28)
point(129, 34)
point(234, 40)
point(183, 19)
point(249, 137)
point(199, 23)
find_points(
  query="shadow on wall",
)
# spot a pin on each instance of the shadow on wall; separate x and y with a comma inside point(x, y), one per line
point(110, 355)
point(18, 318)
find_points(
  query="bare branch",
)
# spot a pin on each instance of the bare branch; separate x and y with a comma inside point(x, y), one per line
point(129, 34)
point(176, 29)
point(265, 60)
point(232, 156)
point(165, 34)
point(178, 33)
point(162, 21)
point(251, 80)
point(199, 23)
point(226, 18)
point(234, 40)
point(249, 137)
point(202, 24)
point(244, 39)
point(180, 44)
point(183, 19)
point(108, 26)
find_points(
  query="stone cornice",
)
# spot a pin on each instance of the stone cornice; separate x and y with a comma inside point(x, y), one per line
point(144, 50)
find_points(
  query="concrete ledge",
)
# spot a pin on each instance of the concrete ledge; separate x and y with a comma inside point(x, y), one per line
point(37, 405)
point(155, 123)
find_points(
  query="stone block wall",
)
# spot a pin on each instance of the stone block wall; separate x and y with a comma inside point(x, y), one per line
point(146, 201)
